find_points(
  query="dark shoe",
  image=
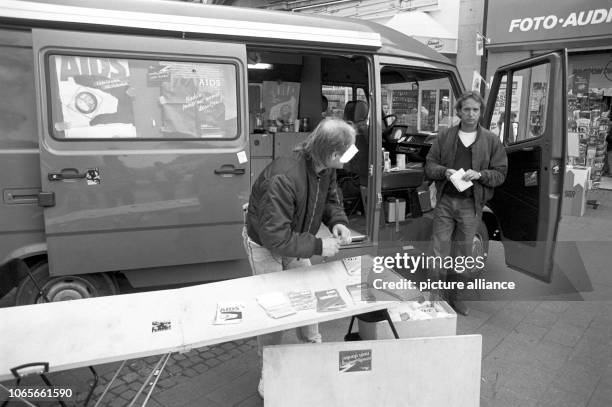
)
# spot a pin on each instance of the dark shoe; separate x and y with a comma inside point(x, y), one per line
point(460, 307)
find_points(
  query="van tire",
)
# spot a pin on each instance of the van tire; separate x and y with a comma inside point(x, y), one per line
point(480, 248)
point(62, 288)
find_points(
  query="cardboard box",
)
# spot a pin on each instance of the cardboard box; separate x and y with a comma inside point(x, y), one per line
point(393, 206)
point(574, 191)
point(439, 326)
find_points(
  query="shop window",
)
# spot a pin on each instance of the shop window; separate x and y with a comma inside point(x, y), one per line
point(121, 98)
point(422, 101)
point(498, 120)
point(338, 96)
point(529, 103)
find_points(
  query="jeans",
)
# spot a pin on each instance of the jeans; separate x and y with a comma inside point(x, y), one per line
point(263, 261)
point(455, 222)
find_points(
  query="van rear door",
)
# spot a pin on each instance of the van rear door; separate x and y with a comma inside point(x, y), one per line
point(143, 146)
point(530, 118)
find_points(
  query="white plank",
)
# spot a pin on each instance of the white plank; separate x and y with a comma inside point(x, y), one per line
point(420, 372)
point(98, 330)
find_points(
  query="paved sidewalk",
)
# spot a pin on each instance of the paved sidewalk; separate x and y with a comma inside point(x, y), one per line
point(535, 353)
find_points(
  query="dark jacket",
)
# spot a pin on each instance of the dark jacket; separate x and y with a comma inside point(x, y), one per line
point(287, 204)
point(488, 157)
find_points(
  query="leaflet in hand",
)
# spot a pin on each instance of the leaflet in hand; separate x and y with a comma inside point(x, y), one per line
point(229, 313)
point(276, 304)
point(352, 265)
point(329, 300)
point(460, 184)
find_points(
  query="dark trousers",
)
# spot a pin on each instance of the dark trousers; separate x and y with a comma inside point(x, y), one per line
point(454, 227)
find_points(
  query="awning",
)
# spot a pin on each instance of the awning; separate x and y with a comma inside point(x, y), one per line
point(424, 28)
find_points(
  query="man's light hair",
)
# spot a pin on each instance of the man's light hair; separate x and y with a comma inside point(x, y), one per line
point(330, 135)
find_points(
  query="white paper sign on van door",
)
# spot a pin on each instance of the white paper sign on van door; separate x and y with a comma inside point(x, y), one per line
point(95, 97)
point(199, 100)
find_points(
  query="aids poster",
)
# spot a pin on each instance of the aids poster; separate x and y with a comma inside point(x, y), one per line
point(95, 97)
point(280, 101)
point(198, 100)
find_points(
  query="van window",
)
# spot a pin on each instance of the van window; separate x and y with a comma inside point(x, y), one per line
point(421, 100)
point(528, 103)
point(98, 98)
point(338, 96)
point(17, 99)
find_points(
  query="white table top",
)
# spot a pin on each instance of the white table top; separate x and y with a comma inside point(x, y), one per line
point(88, 332)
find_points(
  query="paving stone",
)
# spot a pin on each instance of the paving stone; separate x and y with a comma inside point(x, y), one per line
point(190, 372)
point(120, 389)
point(128, 395)
point(492, 335)
point(178, 356)
point(565, 334)
point(236, 391)
point(207, 355)
point(197, 388)
point(508, 397)
point(224, 357)
point(558, 397)
point(554, 306)
point(542, 317)
point(117, 402)
point(253, 401)
point(552, 355)
point(200, 368)
point(527, 333)
point(577, 378)
point(135, 386)
point(228, 346)
point(212, 362)
point(185, 363)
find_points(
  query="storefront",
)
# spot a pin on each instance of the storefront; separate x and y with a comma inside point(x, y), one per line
point(523, 28)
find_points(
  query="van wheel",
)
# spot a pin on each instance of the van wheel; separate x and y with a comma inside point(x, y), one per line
point(62, 288)
point(480, 249)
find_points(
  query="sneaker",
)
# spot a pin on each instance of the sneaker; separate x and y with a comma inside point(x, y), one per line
point(460, 307)
point(260, 388)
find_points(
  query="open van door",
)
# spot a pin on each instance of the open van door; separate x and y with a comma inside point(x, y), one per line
point(530, 118)
point(143, 150)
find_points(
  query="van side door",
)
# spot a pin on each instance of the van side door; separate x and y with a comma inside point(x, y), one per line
point(143, 150)
point(530, 118)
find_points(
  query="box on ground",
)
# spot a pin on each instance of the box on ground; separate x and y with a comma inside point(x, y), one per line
point(444, 325)
point(575, 191)
point(395, 208)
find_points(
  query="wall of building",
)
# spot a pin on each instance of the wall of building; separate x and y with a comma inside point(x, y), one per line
point(471, 14)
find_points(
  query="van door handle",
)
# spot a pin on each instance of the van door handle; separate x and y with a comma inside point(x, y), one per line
point(229, 170)
point(66, 173)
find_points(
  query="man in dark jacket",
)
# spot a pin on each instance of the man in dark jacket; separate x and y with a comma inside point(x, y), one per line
point(289, 201)
point(481, 155)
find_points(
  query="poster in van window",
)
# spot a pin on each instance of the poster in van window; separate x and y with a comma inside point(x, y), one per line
point(95, 97)
point(198, 100)
point(280, 101)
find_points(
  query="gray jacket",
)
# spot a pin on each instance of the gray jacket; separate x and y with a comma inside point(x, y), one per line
point(488, 157)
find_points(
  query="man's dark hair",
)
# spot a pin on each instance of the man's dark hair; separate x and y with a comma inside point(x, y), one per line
point(331, 135)
point(469, 95)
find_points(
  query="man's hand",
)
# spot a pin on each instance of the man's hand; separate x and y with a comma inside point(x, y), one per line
point(331, 246)
point(471, 175)
point(449, 172)
point(342, 232)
